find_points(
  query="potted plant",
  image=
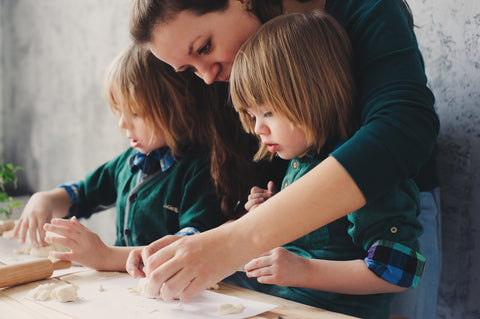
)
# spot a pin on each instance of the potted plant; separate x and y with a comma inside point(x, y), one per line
point(8, 178)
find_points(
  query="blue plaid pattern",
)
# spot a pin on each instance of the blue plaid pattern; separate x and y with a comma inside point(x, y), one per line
point(151, 162)
point(396, 263)
point(187, 231)
point(72, 190)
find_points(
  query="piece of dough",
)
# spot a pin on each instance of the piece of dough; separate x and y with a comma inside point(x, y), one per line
point(59, 292)
point(65, 293)
point(42, 292)
point(228, 309)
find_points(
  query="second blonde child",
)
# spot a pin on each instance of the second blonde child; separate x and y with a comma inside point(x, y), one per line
point(301, 112)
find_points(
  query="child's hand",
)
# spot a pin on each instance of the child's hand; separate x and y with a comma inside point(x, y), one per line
point(259, 195)
point(134, 263)
point(277, 267)
point(86, 246)
point(38, 211)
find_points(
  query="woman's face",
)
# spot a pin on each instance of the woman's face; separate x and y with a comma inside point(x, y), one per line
point(207, 44)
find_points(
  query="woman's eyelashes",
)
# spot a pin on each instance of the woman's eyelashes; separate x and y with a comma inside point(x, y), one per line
point(205, 48)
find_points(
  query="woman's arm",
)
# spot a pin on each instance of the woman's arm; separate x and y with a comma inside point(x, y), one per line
point(189, 265)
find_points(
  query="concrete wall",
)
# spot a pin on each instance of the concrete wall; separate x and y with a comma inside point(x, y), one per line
point(449, 34)
point(55, 122)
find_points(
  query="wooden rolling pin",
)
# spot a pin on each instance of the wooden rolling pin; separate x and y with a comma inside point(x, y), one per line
point(15, 274)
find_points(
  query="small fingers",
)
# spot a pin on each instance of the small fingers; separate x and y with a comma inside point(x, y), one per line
point(134, 264)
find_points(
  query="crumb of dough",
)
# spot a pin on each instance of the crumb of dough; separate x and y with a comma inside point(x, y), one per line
point(61, 293)
point(100, 288)
point(228, 309)
point(214, 287)
point(65, 293)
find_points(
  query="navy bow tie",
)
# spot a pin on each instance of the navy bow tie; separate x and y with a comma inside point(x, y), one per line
point(149, 163)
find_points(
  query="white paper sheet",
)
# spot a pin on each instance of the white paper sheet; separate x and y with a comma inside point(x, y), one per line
point(116, 301)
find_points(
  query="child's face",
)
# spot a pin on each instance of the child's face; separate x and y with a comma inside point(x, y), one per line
point(277, 133)
point(139, 134)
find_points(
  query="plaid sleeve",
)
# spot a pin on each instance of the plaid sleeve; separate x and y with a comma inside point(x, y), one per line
point(395, 263)
point(187, 231)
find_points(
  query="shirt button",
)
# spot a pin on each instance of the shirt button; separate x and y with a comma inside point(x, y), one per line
point(295, 164)
point(127, 232)
point(393, 229)
point(285, 184)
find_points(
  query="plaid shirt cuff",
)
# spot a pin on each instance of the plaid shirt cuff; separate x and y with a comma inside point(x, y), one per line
point(187, 231)
point(72, 190)
point(395, 263)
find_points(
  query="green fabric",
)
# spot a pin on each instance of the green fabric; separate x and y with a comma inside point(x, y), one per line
point(397, 139)
point(350, 238)
point(162, 204)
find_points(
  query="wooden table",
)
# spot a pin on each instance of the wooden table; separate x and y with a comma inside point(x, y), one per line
point(13, 303)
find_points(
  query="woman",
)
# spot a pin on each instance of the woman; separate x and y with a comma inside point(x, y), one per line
point(397, 138)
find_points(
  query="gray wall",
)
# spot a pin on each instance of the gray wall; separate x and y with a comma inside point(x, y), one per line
point(55, 122)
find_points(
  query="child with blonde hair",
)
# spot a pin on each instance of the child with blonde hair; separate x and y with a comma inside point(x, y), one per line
point(298, 97)
point(160, 185)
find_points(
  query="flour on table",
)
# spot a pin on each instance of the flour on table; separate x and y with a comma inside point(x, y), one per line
point(228, 309)
point(59, 292)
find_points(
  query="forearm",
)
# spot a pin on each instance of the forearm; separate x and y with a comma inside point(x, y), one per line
point(114, 258)
point(346, 277)
point(59, 200)
point(324, 194)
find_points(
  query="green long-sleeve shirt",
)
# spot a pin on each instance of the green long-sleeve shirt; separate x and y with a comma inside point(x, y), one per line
point(397, 139)
point(162, 204)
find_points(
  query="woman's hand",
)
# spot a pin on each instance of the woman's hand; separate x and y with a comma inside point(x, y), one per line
point(183, 266)
point(278, 267)
point(135, 263)
point(85, 246)
point(259, 195)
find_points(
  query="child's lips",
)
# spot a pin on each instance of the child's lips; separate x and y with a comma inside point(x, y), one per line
point(134, 143)
point(272, 148)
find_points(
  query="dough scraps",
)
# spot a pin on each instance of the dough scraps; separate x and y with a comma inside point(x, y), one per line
point(59, 292)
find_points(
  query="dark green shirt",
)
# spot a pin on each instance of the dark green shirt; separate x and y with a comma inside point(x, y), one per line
point(392, 218)
point(162, 204)
point(397, 139)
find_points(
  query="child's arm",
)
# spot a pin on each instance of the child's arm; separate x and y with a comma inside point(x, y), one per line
point(40, 209)
point(86, 246)
point(259, 195)
point(284, 268)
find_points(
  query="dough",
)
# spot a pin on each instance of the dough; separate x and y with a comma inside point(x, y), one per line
point(41, 292)
point(65, 293)
point(228, 309)
point(141, 289)
point(59, 292)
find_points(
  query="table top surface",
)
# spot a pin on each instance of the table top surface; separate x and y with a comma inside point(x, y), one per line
point(14, 304)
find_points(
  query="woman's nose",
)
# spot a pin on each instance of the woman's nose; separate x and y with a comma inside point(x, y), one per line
point(208, 72)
